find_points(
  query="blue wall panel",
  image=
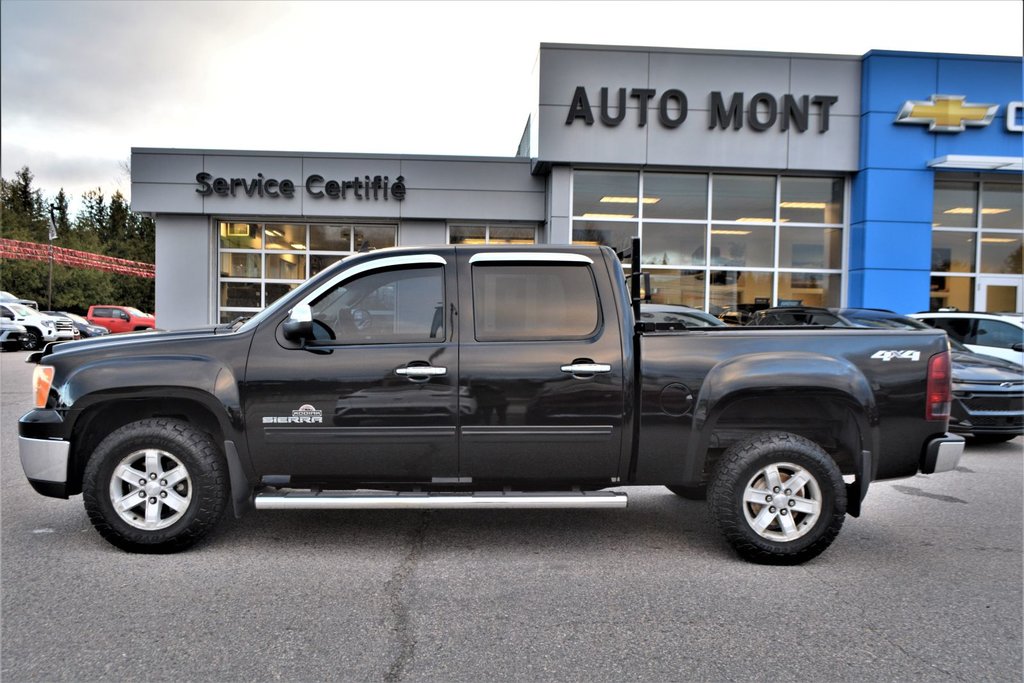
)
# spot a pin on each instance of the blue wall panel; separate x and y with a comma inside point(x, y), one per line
point(889, 255)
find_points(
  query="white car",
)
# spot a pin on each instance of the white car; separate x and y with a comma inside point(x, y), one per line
point(39, 328)
point(994, 334)
point(10, 334)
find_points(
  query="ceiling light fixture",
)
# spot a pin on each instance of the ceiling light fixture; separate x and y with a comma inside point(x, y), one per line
point(803, 205)
point(609, 215)
point(628, 200)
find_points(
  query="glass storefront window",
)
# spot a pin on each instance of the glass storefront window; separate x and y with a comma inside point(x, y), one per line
point(749, 199)
point(275, 290)
point(810, 248)
point(1002, 206)
point(369, 237)
point(467, 234)
point(951, 292)
point(615, 235)
point(678, 287)
point(734, 289)
point(729, 253)
point(286, 266)
point(1001, 253)
point(811, 200)
point(318, 262)
point(240, 236)
point(240, 294)
point(601, 195)
point(491, 234)
point(678, 196)
point(751, 246)
point(955, 204)
point(511, 235)
point(990, 217)
point(953, 252)
point(674, 244)
point(810, 289)
point(254, 258)
point(285, 236)
point(239, 265)
point(330, 238)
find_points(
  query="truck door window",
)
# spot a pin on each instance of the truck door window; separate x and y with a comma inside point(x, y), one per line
point(403, 305)
point(534, 302)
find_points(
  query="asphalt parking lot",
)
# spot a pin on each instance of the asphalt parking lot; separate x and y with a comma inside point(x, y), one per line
point(926, 585)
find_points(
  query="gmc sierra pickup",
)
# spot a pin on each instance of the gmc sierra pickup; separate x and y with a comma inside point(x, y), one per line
point(484, 377)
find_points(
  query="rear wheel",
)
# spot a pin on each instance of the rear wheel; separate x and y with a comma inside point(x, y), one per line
point(155, 486)
point(778, 498)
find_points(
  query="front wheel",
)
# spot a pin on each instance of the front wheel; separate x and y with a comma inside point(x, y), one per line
point(31, 340)
point(778, 498)
point(155, 486)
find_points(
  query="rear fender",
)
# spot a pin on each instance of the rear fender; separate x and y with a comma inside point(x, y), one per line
point(770, 379)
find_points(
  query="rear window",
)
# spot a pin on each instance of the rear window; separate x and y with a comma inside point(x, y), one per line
point(534, 302)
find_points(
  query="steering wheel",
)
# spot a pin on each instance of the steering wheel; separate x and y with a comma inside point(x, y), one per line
point(362, 319)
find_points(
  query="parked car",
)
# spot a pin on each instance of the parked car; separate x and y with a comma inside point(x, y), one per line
point(120, 318)
point(39, 328)
point(83, 328)
point(10, 334)
point(994, 334)
point(674, 317)
point(988, 392)
point(66, 329)
point(7, 297)
point(796, 315)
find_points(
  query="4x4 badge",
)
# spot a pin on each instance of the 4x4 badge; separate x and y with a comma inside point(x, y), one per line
point(887, 356)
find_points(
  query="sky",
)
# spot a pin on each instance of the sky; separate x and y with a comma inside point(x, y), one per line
point(82, 83)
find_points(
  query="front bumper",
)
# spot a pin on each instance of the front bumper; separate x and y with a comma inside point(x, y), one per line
point(942, 454)
point(44, 453)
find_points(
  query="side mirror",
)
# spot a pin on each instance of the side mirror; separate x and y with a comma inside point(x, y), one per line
point(299, 325)
point(1018, 347)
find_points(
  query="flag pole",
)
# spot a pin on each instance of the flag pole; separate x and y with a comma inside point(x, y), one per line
point(53, 236)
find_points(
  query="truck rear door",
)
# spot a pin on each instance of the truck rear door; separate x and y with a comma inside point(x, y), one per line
point(541, 368)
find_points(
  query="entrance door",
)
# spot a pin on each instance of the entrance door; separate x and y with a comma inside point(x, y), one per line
point(999, 294)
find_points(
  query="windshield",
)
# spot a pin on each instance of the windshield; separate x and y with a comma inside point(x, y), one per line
point(136, 312)
point(19, 309)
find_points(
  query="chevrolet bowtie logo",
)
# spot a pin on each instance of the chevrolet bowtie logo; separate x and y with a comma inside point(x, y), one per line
point(946, 113)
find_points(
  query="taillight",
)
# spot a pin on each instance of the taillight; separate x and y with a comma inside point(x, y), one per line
point(939, 387)
point(42, 378)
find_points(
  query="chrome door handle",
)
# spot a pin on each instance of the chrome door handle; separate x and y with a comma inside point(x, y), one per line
point(586, 368)
point(421, 371)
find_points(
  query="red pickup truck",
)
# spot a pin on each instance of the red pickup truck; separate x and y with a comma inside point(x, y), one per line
point(120, 318)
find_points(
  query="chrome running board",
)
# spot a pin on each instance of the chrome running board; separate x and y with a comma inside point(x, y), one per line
point(397, 500)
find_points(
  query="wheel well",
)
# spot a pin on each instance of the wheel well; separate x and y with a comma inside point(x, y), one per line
point(826, 420)
point(96, 423)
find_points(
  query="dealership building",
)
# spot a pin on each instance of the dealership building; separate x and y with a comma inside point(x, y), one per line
point(889, 180)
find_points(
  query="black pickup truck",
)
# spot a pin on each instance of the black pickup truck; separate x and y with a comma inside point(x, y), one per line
point(484, 377)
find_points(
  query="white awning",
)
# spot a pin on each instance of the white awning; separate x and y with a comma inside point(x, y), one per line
point(978, 163)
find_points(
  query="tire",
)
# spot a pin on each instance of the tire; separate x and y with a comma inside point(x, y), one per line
point(30, 340)
point(690, 492)
point(742, 490)
point(185, 490)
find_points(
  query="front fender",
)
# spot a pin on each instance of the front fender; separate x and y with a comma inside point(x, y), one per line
point(193, 377)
